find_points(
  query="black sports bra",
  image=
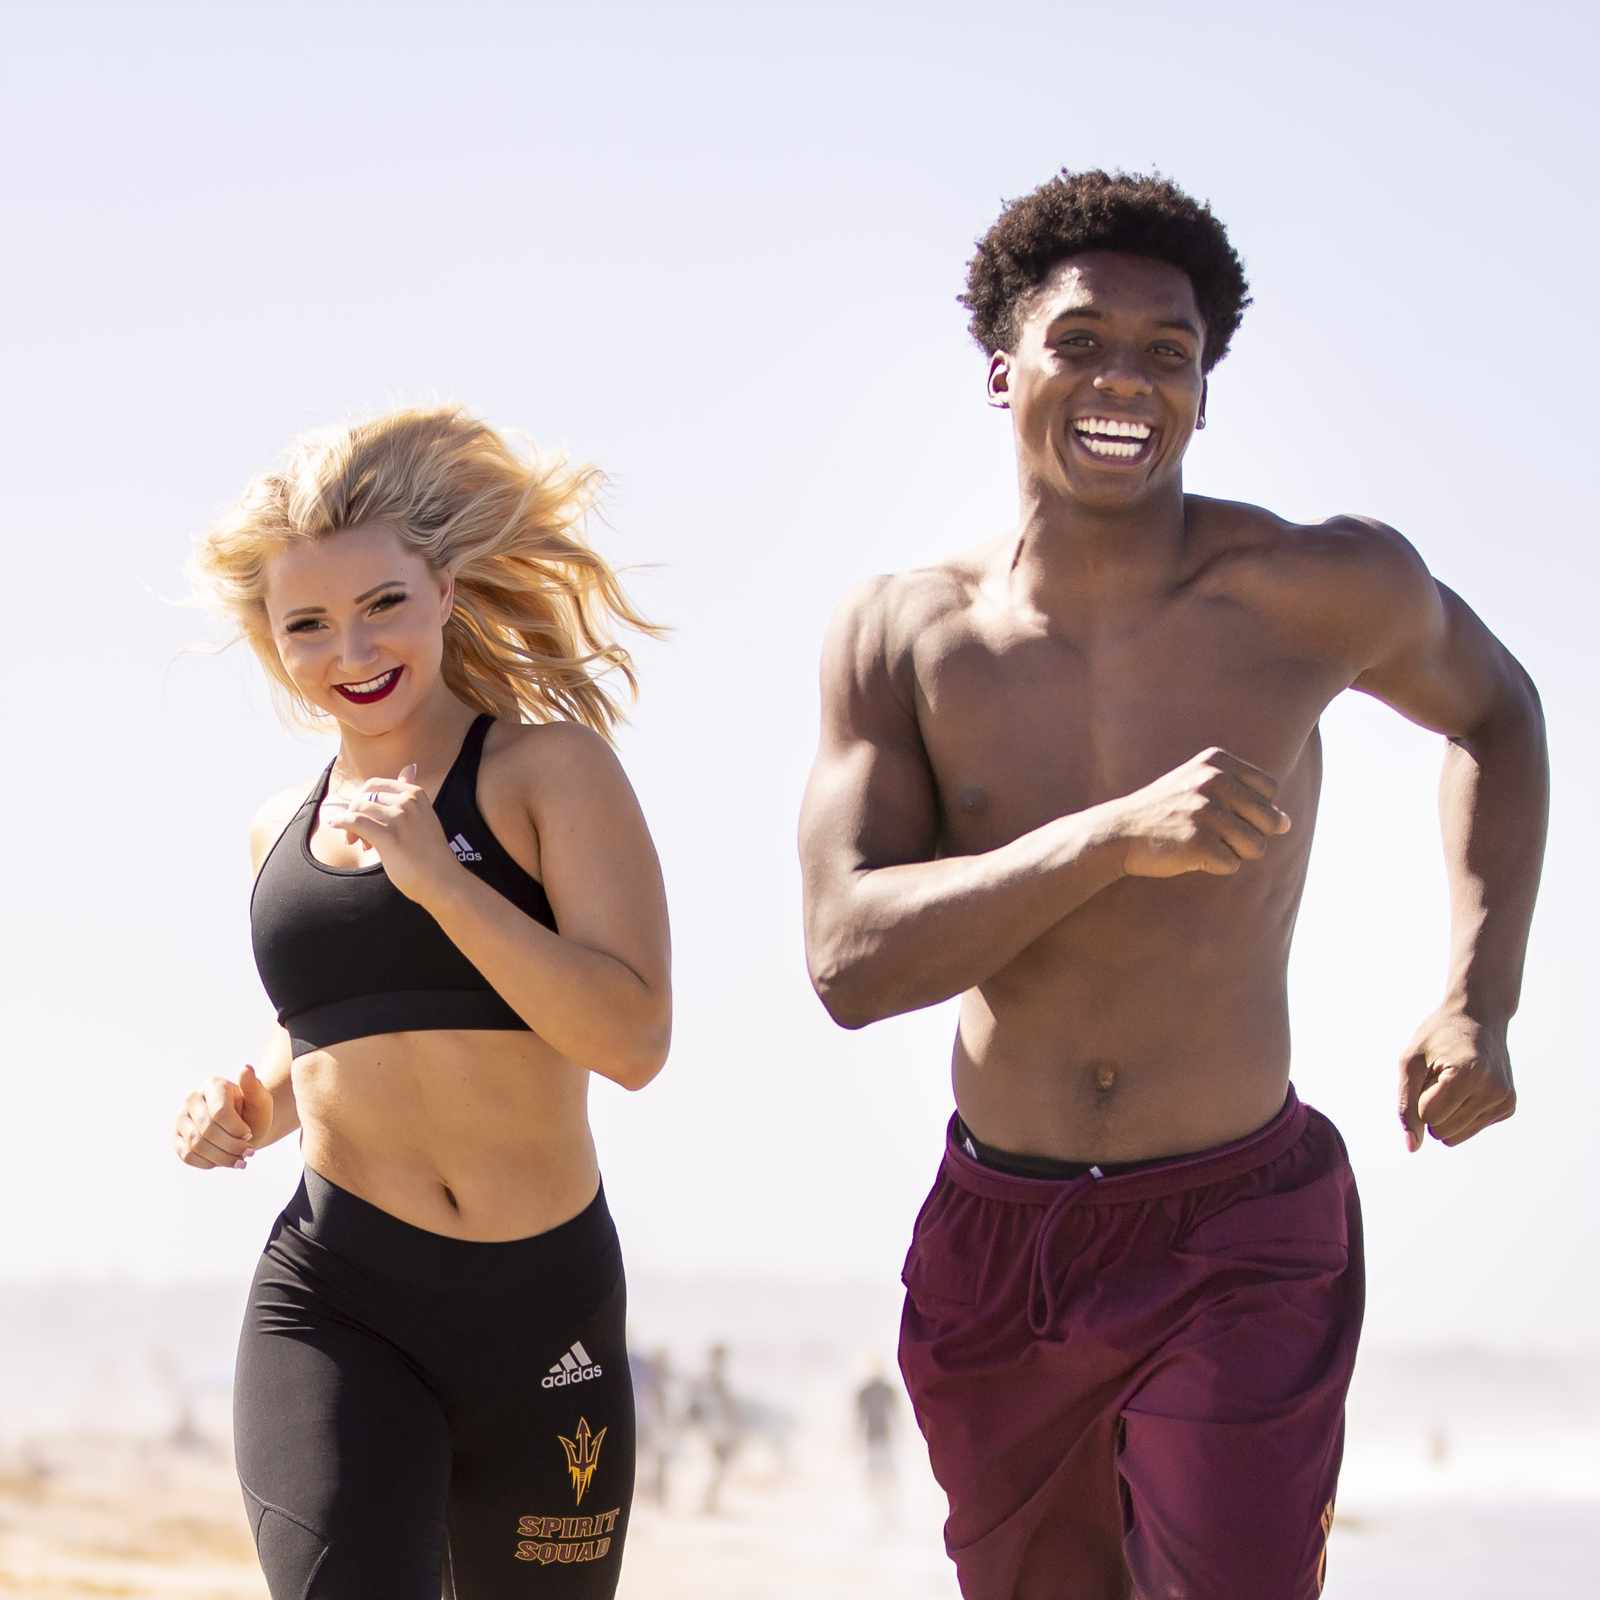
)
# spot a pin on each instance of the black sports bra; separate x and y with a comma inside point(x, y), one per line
point(343, 954)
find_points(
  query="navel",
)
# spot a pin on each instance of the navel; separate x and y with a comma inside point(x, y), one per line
point(450, 1198)
point(1103, 1074)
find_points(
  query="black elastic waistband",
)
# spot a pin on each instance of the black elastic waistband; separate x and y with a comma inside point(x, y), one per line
point(1152, 1180)
point(1018, 1164)
point(573, 1252)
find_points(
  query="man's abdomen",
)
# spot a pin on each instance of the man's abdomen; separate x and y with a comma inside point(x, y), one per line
point(1153, 1022)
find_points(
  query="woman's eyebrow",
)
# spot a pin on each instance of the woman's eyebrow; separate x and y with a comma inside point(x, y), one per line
point(306, 611)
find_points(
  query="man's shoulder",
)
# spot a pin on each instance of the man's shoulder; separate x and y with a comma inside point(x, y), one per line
point(1242, 542)
point(1337, 588)
point(897, 609)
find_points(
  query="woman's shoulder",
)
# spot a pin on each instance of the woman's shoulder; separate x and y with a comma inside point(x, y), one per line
point(272, 816)
point(534, 755)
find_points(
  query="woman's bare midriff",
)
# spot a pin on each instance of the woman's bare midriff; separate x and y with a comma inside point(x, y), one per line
point(477, 1135)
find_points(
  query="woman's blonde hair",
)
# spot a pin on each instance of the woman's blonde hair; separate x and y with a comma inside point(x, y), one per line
point(531, 631)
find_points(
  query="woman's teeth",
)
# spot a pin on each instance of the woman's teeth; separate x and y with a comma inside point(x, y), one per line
point(372, 686)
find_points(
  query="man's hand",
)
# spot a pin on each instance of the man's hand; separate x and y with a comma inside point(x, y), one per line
point(1212, 814)
point(1455, 1079)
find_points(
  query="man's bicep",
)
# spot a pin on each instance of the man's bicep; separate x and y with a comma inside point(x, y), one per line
point(871, 800)
point(1442, 669)
point(870, 803)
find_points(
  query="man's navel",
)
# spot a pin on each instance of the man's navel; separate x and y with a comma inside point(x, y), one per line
point(1103, 1076)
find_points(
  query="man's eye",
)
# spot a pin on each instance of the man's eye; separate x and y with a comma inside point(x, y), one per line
point(1172, 350)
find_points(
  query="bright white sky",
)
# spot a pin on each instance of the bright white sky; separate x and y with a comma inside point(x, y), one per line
point(716, 249)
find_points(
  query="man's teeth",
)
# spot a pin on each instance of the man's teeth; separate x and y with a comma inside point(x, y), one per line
point(371, 683)
point(1112, 428)
point(1100, 436)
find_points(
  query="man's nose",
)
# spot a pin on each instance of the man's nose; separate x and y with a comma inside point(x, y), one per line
point(1125, 380)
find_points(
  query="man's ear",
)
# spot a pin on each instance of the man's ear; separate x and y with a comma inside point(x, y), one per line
point(1000, 380)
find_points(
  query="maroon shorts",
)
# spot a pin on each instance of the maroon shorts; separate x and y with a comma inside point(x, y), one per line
point(1135, 1385)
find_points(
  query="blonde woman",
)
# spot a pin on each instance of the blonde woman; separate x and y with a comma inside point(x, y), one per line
point(459, 923)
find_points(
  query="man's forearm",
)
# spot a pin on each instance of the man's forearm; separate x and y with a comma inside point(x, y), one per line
point(1494, 797)
point(897, 938)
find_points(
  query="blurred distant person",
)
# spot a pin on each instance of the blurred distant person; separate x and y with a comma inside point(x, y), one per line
point(877, 1403)
point(1071, 776)
point(660, 1421)
point(459, 924)
point(716, 1410)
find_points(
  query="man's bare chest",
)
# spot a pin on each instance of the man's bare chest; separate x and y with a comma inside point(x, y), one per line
point(1023, 728)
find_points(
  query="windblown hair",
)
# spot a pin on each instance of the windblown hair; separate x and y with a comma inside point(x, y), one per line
point(1078, 211)
point(531, 633)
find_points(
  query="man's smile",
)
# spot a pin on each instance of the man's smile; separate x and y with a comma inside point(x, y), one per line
point(1112, 439)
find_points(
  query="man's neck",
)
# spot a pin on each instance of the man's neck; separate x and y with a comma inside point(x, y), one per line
point(1067, 558)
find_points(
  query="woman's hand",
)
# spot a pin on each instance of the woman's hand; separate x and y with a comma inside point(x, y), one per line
point(222, 1123)
point(395, 818)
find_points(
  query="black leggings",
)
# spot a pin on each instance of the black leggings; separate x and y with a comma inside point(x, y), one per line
point(415, 1414)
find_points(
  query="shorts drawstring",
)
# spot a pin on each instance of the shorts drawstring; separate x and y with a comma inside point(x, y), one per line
point(1041, 1299)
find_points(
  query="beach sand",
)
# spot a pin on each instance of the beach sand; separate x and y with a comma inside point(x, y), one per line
point(1471, 1474)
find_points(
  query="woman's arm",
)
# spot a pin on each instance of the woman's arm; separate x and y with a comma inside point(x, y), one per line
point(272, 1077)
point(598, 992)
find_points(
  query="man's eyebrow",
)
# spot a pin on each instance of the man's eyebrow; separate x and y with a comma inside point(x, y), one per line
point(1181, 323)
point(309, 611)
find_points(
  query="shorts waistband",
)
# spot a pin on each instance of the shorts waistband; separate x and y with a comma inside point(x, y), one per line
point(1192, 1171)
point(578, 1250)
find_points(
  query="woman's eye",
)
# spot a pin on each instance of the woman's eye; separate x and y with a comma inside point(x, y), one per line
point(303, 626)
point(385, 601)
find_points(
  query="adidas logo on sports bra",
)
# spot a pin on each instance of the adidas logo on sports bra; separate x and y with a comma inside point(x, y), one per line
point(463, 850)
point(573, 1367)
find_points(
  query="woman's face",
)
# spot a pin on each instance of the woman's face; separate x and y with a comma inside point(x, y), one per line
point(358, 620)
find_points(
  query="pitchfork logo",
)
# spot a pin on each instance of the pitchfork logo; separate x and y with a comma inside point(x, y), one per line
point(583, 1456)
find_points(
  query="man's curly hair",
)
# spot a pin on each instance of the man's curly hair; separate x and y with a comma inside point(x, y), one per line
point(1078, 211)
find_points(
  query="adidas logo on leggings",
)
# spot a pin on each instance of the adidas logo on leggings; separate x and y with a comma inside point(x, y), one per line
point(573, 1367)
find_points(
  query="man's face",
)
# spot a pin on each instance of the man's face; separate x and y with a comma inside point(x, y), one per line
point(1104, 383)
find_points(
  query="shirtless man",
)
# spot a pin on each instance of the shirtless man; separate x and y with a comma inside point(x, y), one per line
point(1072, 777)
